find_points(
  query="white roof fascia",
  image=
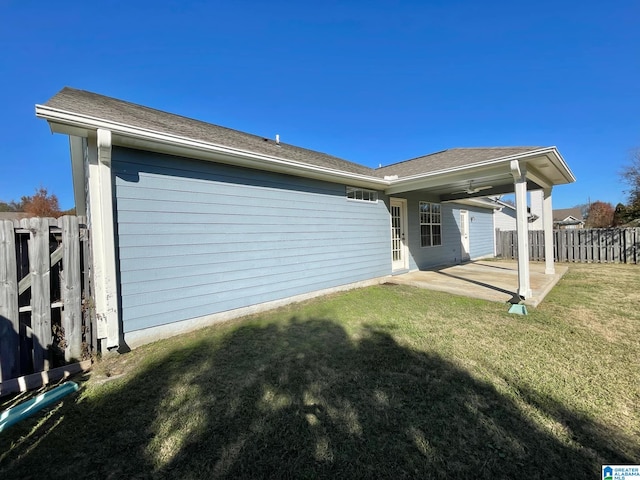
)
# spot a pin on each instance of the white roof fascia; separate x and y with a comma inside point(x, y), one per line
point(69, 123)
point(62, 121)
point(77, 174)
point(570, 177)
point(551, 153)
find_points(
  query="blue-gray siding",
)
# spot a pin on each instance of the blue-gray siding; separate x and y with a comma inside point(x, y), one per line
point(481, 233)
point(197, 238)
point(450, 252)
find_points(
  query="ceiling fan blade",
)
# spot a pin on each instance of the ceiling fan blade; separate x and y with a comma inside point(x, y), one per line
point(471, 191)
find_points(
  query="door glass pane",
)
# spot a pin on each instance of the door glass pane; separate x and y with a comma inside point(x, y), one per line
point(396, 234)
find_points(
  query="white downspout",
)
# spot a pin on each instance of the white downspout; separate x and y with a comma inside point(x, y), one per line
point(522, 226)
point(103, 239)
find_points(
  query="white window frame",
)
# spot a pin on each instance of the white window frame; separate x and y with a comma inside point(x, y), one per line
point(358, 194)
point(430, 216)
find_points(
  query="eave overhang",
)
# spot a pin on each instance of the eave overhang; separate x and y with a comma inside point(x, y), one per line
point(545, 167)
point(74, 124)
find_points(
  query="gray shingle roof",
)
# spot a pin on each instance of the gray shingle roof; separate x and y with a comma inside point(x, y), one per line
point(562, 213)
point(110, 109)
point(447, 159)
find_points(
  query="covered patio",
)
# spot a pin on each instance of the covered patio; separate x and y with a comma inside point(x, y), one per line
point(466, 174)
point(493, 280)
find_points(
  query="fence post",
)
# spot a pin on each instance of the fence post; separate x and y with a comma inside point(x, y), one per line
point(9, 316)
point(39, 268)
point(88, 311)
point(71, 288)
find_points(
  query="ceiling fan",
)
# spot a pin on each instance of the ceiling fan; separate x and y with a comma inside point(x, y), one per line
point(470, 190)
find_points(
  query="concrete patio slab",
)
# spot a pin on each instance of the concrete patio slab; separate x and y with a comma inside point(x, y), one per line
point(489, 280)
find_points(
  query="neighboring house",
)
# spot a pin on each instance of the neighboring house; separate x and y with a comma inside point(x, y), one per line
point(192, 223)
point(568, 218)
point(505, 214)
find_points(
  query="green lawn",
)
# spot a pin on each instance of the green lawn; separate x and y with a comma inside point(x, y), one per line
point(382, 382)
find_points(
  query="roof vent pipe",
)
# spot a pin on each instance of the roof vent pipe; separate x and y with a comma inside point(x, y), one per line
point(277, 139)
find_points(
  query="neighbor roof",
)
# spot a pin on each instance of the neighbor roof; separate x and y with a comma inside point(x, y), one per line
point(100, 107)
point(13, 215)
point(563, 213)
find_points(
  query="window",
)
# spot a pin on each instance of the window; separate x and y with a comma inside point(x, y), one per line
point(430, 224)
point(355, 193)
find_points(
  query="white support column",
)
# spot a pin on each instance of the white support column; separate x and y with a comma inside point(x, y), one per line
point(103, 238)
point(547, 223)
point(522, 227)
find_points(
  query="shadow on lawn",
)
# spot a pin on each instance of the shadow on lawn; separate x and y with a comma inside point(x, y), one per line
point(304, 400)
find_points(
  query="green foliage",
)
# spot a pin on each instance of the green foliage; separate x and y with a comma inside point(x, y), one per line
point(629, 214)
point(11, 206)
point(626, 214)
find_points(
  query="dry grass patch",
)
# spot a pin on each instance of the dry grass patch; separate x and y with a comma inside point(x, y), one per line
point(385, 382)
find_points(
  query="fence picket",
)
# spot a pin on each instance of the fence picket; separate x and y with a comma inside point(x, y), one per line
point(562, 250)
point(40, 291)
point(9, 317)
point(71, 289)
point(589, 246)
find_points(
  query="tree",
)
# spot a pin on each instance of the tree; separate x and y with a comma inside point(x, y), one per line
point(584, 209)
point(631, 176)
point(601, 214)
point(11, 206)
point(620, 215)
point(41, 204)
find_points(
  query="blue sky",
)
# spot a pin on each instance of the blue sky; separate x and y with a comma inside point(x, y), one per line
point(373, 82)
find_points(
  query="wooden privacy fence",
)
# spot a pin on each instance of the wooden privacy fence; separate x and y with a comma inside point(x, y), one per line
point(45, 315)
point(596, 245)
